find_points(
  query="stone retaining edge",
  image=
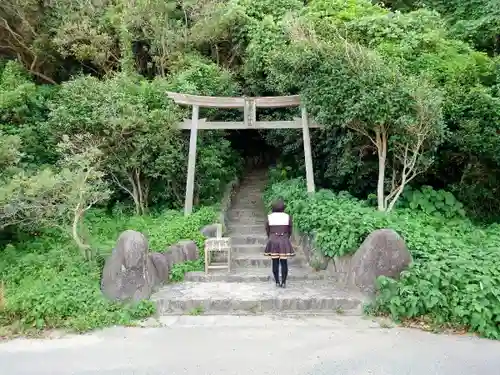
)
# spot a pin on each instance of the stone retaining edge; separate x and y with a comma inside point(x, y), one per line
point(226, 201)
point(338, 267)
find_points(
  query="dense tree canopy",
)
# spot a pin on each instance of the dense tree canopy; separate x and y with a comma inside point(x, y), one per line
point(408, 92)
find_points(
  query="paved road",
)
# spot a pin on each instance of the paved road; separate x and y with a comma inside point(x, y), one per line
point(254, 345)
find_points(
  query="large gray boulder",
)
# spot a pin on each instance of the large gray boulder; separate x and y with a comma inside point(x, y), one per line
point(383, 253)
point(189, 249)
point(161, 265)
point(318, 261)
point(129, 273)
point(211, 230)
point(175, 254)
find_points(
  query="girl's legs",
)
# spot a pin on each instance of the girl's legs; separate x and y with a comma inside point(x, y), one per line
point(284, 271)
point(276, 271)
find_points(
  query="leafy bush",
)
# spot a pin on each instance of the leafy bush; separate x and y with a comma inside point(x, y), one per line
point(135, 124)
point(454, 277)
point(22, 106)
point(433, 202)
point(134, 128)
point(47, 283)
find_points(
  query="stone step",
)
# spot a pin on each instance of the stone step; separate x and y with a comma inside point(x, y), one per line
point(251, 192)
point(238, 218)
point(256, 208)
point(247, 249)
point(235, 229)
point(262, 261)
point(249, 239)
point(243, 250)
point(254, 298)
point(246, 211)
point(248, 196)
point(250, 275)
point(252, 182)
point(245, 220)
point(245, 215)
point(247, 204)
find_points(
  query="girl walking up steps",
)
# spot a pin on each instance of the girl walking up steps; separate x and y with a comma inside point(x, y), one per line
point(279, 246)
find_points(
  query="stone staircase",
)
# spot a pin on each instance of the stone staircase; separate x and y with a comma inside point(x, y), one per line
point(249, 288)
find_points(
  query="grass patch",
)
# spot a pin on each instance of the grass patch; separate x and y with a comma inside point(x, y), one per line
point(46, 283)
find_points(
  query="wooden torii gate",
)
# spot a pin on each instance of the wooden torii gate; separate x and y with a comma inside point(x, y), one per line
point(249, 106)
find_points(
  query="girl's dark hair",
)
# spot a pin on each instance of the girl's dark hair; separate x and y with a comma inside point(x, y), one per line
point(278, 206)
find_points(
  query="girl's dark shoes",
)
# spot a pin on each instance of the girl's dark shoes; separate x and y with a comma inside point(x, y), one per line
point(283, 285)
point(278, 285)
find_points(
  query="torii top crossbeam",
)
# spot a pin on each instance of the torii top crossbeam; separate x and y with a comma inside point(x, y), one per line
point(235, 102)
point(249, 105)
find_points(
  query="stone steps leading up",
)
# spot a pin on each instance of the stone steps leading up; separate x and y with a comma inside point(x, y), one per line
point(249, 288)
point(255, 298)
point(251, 275)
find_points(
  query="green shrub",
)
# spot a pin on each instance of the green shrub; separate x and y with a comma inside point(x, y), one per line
point(47, 284)
point(454, 277)
point(440, 203)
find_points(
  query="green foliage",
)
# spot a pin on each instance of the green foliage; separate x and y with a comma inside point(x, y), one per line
point(327, 215)
point(454, 277)
point(266, 37)
point(362, 70)
point(440, 203)
point(348, 86)
point(53, 197)
point(48, 284)
point(217, 163)
point(179, 270)
point(279, 173)
point(420, 43)
point(328, 16)
point(134, 126)
point(22, 106)
point(135, 123)
point(475, 21)
point(194, 74)
point(258, 10)
point(228, 48)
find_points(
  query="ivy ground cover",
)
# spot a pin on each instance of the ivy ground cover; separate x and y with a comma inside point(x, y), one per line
point(455, 276)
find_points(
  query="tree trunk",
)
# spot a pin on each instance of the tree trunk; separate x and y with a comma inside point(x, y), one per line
point(134, 193)
point(396, 196)
point(2, 295)
point(382, 156)
point(74, 232)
